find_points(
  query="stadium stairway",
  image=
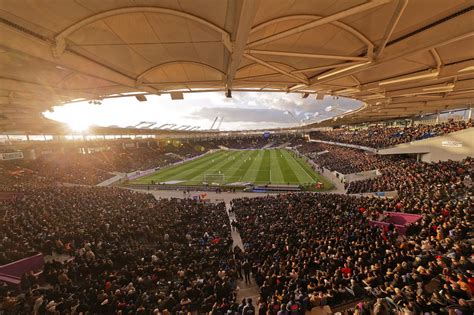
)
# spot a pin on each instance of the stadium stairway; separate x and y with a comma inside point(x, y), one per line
point(245, 290)
point(284, 145)
point(110, 181)
point(268, 145)
point(176, 156)
point(252, 290)
point(354, 146)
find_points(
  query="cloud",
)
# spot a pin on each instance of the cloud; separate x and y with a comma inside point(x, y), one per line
point(245, 110)
point(247, 115)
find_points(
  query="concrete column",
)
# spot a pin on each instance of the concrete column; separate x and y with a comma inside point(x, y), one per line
point(437, 117)
point(469, 113)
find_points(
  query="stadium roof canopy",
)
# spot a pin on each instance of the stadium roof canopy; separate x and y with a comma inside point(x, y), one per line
point(401, 57)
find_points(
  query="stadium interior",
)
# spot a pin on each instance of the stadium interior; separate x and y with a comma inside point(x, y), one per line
point(368, 211)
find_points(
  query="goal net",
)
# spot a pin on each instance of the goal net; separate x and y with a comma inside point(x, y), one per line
point(214, 177)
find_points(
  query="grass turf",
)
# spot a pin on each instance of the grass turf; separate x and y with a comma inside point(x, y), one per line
point(271, 166)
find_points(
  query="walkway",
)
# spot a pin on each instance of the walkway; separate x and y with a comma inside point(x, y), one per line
point(339, 186)
point(117, 177)
point(245, 290)
point(212, 196)
point(268, 145)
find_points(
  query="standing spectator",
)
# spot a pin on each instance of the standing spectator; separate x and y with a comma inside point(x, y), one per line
point(247, 267)
point(248, 309)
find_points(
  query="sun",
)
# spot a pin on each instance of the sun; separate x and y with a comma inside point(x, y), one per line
point(78, 124)
point(77, 118)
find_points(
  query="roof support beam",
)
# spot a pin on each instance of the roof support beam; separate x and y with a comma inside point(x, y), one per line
point(27, 45)
point(402, 51)
point(60, 39)
point(303, 55)
point(265, 82)
point(328, 19)
point(437, 58)
point(22, 86)
point(270, 66)
point(339, 65)
point(140, 77)
point(218, 84)
point(248, 11)
point(261, 76)
point(183, 83)
point(402, 4)
point(338, 24)
point(449, 72)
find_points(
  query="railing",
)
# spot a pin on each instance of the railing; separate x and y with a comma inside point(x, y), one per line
point(11, 273)
point(434, 121)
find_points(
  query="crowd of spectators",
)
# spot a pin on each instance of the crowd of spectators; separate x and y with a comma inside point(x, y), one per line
point(344, 160)
point(84, 165)
point(89, 163)
point(381, 136)
point(83, 169)
point(247, 142)
point(312, 250)
point(410, 177)
point(12, 175)
point(130, 253)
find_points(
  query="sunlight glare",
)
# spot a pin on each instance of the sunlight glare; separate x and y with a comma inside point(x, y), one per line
point(76, 116)
point(78, 124)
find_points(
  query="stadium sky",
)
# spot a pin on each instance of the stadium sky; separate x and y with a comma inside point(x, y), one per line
point(242, 111)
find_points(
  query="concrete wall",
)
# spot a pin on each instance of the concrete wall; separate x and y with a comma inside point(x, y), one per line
point(453, 146)
point(361, 176)
point(380, 194)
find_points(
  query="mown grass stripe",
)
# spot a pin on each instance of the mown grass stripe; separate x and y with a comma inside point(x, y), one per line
point(276, 175)
point(289, 175)
point(234, 173)
point(197, 175)
point(277, 166)
point(187, 171)
point(219, 168)
point(302, 174)
point(241, 174)
point(263, 175)
point(308, 170)
point(251, 173)
point(181, 168)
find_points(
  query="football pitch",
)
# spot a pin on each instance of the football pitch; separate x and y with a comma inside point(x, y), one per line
point(238, 167)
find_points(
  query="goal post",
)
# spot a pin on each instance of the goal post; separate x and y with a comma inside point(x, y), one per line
point(213, 178)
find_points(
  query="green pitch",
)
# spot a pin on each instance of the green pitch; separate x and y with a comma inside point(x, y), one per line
point(272, 166)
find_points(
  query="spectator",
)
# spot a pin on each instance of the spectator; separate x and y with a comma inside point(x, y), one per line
point(381, 136)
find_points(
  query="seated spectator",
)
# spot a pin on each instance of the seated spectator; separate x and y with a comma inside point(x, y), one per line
point(381, 137)
point(112, 236)
point(318, 249)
